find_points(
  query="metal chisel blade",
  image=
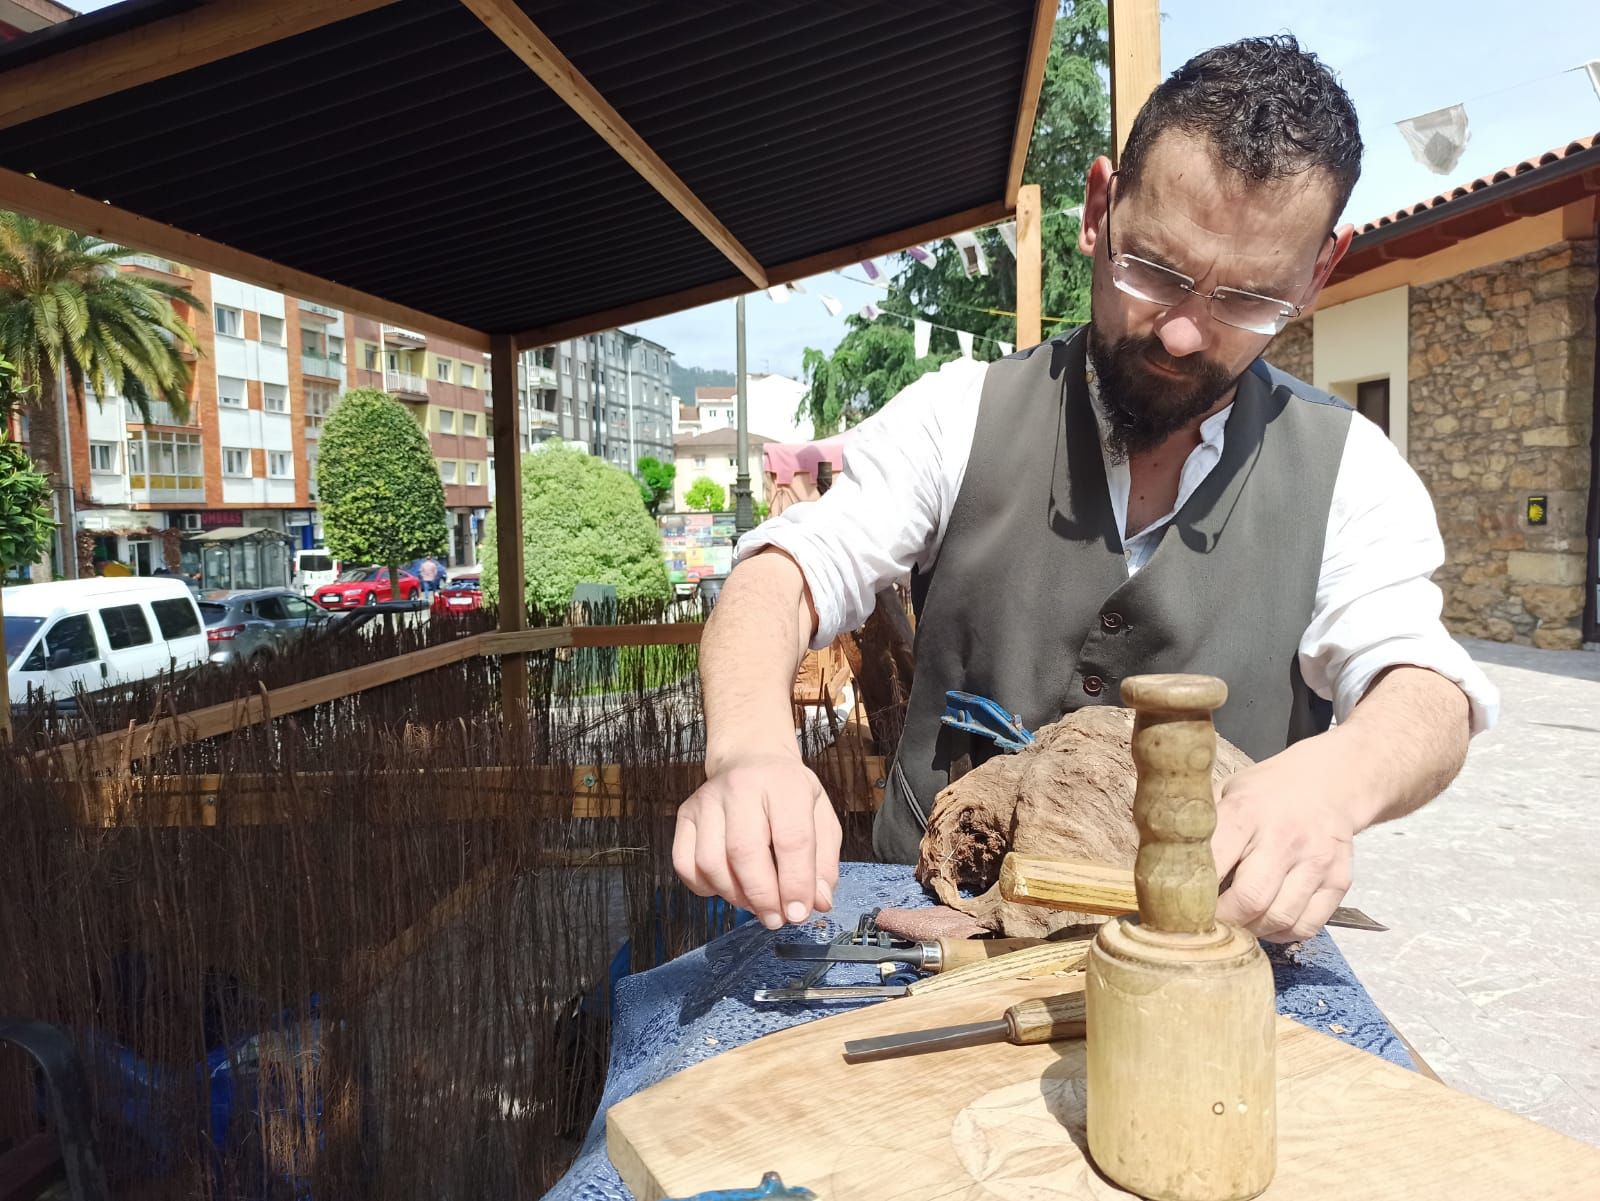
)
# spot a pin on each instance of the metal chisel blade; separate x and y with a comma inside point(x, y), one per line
point(843, 992)
point(839, 953)
point(1354, 919)
point(944, 1038)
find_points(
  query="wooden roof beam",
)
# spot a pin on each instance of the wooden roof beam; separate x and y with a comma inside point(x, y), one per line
point(506, 20)
point(1044, 26)
point(149, 52)
point(782, 273)
point(47, 202)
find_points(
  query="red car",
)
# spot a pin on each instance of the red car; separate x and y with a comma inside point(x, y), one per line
point(461, 594)
point(358, 586)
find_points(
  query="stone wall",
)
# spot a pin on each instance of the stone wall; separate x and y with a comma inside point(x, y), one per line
point(1501, 405)
point(1291, 350)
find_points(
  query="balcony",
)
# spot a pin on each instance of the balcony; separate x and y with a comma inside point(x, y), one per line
point(540, 376)
point(153, 262)
point(161, 413)
point(166, 489)
point(320, 310)
point(321, 366)
point(394, 335)
point(405, 384)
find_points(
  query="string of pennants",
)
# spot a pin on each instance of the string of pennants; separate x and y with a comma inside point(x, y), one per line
point(1438, 139)
point(973, 260)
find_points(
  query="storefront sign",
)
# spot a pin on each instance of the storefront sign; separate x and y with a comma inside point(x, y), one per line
point(217, 519)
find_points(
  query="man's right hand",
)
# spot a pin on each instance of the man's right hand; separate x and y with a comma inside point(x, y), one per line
point(761, 833)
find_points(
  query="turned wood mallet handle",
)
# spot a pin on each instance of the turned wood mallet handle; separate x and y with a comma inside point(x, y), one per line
point(1174, 748)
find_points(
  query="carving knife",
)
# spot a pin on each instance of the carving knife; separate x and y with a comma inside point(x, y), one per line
point(942, 955)
point(1041, 1020)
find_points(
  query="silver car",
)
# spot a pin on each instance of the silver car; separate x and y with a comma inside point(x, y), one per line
point(253, 626)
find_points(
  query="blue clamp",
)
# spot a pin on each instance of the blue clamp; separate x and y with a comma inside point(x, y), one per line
point(771, 1188)
point(979, 715)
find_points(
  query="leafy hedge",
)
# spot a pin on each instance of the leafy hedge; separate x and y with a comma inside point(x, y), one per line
point(583, 522)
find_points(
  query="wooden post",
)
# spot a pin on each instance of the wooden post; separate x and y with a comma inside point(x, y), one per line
point(1029, 266)
point(1135, 64)
point(1182, 1074)
point(508, 524)
point(5, 684)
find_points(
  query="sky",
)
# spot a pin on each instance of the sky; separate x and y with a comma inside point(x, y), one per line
point(1508, 64)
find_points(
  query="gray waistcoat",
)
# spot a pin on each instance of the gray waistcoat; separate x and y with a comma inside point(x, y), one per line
point(1030, 602)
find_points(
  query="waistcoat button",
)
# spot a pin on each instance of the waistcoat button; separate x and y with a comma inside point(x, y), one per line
point(1111, 621)
point(1093, 685)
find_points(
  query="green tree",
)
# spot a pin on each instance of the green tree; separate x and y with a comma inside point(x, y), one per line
point(876, 359)
point(583, 522)
point(25, 529)
point(655, 481)
point(379, 489)
point(705, 495)
point(66, 307)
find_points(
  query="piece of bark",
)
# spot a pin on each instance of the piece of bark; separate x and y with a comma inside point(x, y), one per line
point(1067, 796)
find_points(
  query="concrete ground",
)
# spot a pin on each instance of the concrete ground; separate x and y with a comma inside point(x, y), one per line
point(1492, 964)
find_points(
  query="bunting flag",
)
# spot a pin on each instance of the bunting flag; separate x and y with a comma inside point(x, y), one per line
point(870, 311)
point(1008, 231)
point(1005, 348)
point(972, 257)
point(778, 294)
point(964, 341)
point(1594, 76)
point(925, 256)
point(797, 286)
point(1437, 139)
point(921, 332)
point(1076, 212)
point(830, 303)
point(874, 272)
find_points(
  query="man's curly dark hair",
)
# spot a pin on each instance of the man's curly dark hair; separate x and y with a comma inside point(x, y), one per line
point(1269, 110)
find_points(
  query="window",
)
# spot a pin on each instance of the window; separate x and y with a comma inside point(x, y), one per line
point(472, 473)
point(370, 356)
point(125, 626)
point(583, 371)
point(230, 392)
point(335, 349)
point(566, 364)
point(469, 376)
point(271, 330)
point(311, 343)
point(441, 370)
point(229, 322)
point(275, 398)
point(469, 424)
point(566, 405)
point(699, 460)
point(1372, 402)
point(68, 643)
point(447, 421)
point(235, 461)
point(177, 618)
point(320, 400)
point(297, 609)
point(173, 461)
point(279, 465)
point(102, 456)
point(447, 472)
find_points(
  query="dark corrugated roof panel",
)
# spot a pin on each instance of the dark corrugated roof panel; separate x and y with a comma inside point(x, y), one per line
point(407, 153)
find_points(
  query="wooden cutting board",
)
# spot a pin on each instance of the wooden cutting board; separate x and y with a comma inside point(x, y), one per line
point(1006, 1123)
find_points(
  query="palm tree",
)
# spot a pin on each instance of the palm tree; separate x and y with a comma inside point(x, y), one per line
point(67, 308)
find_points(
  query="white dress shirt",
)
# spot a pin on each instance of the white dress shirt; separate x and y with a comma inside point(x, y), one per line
point(1375, 605)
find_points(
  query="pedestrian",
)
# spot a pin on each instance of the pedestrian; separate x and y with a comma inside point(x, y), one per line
point(428, 571)
point(1143, 494)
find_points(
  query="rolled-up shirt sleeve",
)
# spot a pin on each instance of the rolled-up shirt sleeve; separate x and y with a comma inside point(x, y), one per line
point(1376, 605)
point(886, 513)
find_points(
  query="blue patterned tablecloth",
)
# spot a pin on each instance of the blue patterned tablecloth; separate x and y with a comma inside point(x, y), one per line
point(699, 1005)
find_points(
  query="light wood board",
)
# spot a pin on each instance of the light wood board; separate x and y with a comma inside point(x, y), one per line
point(1007, 1122)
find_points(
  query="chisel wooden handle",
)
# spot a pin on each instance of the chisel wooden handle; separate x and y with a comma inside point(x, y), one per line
point(959, 952)
point(1047, 1019)
point(1043, 959)
point(1060, 884)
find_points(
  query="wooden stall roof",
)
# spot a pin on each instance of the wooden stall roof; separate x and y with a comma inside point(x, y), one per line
point(531, 168)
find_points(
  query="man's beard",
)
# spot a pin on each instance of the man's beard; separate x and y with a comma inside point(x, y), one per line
point(1142, 407)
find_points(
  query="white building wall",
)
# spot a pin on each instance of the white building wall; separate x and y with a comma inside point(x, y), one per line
point(719, 470)
point(1363, 340)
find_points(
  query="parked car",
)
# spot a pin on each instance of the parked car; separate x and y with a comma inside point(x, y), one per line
point(252, 626)
point(312, 569)
point(359, 586)
point(94, 634)
point(461, 594)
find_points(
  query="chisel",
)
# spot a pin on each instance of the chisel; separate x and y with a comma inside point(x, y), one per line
point(831, 992)
point(943, 955)
point(1042, 1020)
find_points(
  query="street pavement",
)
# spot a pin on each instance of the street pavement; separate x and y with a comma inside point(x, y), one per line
point(1492, 963)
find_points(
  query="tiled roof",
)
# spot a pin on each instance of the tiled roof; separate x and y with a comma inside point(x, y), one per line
point(1484, 181)
point(701, 394)
point(720, 437)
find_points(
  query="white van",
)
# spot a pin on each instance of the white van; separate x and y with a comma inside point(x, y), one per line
point(312, 569)
point(94, 634)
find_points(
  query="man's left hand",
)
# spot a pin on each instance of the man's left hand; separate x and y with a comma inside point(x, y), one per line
point(1286, 829)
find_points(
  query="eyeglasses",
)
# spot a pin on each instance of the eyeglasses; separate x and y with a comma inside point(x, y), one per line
point(1158, 285)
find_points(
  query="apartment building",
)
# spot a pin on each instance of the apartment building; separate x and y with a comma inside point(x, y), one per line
point(447, 386)
point(772, 404)
point(609, 394)
point(241, 460)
